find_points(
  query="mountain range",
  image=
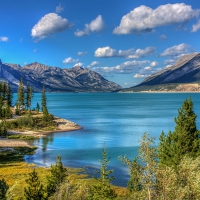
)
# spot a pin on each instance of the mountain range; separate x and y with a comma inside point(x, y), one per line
point(55, 79)
point(184, 75)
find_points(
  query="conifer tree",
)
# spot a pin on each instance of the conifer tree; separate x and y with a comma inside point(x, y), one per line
point(37, 107)
point(7, 111)
point(1, 108)
point(184, 140)
point(29, 96)
point(58, 176)
point(3, 189)
point(21, 93)
point(4, 90)
point(134, 184)
point(103, 190)
point(44, 99)
point(9, 95)
point(35, 190)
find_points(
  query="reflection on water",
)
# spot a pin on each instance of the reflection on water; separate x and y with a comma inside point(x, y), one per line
point(46, 141)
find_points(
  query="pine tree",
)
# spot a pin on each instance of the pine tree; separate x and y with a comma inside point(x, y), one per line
point(4, 90)
point(102, 190)
point(21, 94)
point(9, 95)
point(58, 176)
point(1, 108)
point(134, 184)
point(184, 140)
point(29, 96)
point(8, 112)
point(35, 189)
point(37, 107)
point(44, 99)
point(3, 189)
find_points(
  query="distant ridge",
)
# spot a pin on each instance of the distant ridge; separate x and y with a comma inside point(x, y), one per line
point(55, 79)
point(184, 75)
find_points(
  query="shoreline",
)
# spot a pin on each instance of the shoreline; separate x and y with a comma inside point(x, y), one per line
point(63, 125)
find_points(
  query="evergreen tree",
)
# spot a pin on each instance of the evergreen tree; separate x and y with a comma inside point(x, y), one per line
point(3, 189)
point(38, 107)
point(58, 176)
point(4, 90)
point(184, 140)
point(7, 111)
point(1, 108)
point(44, 99)
point(102, 190)
point(35, 190)
point(29, 96)
point(9, 95)
point(134, 184)
point(21, 94)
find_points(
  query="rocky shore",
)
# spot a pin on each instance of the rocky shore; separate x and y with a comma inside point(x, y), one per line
point(63, 125)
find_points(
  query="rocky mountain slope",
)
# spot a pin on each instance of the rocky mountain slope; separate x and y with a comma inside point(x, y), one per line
point(55, 79)
point(186, 70)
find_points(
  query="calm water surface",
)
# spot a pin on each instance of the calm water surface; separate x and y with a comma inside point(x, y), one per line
point(115, 119)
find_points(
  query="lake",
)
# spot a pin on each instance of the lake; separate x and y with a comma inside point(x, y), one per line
point(116, 120)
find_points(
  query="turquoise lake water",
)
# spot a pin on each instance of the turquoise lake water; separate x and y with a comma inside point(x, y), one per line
point(117, 120)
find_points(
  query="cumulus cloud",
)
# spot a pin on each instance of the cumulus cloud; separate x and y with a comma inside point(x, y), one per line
point(70, 60)
point(48, 25)
point(96, 25)
point(124, 68)
point(176, 50)
point(80, 53)
point(79, 64)
point(147, 71)
point(59, 8)
point(105, 52)
point(4, 39)
point(130, 53)
point(196, 26)
point(145, 19)
point(163, 37)
point(93, 64)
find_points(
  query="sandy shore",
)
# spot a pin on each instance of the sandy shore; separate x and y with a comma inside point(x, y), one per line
point(63, 125)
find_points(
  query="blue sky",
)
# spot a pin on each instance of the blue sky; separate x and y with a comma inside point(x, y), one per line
point(124, 40)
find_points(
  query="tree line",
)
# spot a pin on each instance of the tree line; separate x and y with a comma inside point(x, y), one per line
point(23, 108)
point(168, 171)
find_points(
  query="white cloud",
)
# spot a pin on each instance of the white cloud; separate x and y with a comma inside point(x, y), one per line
point(154, 64)
point(141, 53)
point(196, 26)
point(176, 50)
point(78, 64)
point(163, 37)
point(130, 53)
point(35, 50)
point(94, 63)
point(139, 76)
point(59, 8)
point(70, 60)
point(124, 68)
point(105, 52)
point(96, 25)
point(4, 39)
point(48, 25)
point(145, 19)
point(81, 53)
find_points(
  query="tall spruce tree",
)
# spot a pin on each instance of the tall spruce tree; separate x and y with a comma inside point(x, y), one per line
point(4, 90)
point(9, 95)
point(3, 189)
point(35, 190)
point(20, 93)
point(184, 140)
point(58, 176)
point(44, 100)
point(29, 96)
